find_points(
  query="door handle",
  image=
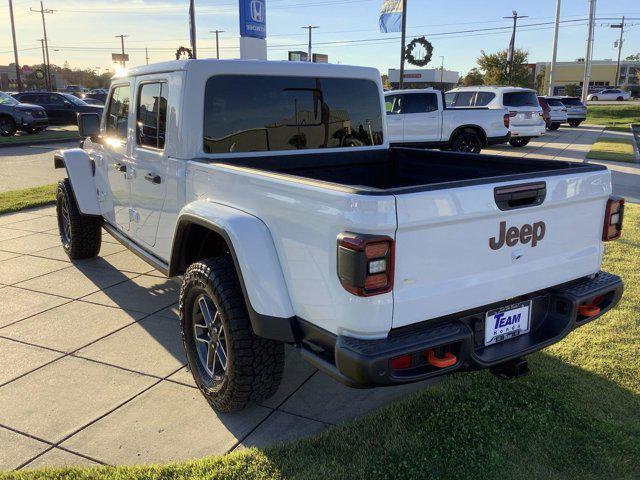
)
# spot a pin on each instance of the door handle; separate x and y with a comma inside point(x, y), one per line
point(153, 178)
point(121, 167)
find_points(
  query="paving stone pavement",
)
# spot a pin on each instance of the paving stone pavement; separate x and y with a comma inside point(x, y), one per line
point(92, 367)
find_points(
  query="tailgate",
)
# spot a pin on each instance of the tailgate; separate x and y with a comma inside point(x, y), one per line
point(446, 262)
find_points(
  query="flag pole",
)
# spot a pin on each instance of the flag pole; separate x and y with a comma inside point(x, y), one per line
point(402, 50)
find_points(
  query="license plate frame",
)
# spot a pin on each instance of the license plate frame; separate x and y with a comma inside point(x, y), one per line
point(503, 323)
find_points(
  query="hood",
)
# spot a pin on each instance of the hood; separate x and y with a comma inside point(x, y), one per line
point(29, 106)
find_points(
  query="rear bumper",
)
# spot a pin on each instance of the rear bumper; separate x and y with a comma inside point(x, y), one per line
point(498, 140)
point(555, 313)
point(528, 130)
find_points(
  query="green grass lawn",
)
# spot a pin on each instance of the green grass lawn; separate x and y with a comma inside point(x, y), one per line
point(617, 149)
point(576, 417)
point(15, 200)
point(610, 115)
point(46, 135)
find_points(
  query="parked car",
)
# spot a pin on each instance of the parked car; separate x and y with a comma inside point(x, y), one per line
point(576, 110)
point(15, 116)
point(609, 94)
point(420, 118)
point(76, 90)
point(271, 188)
point(525, 121)
point(62, 108)
point(546, 111)
point(99, 94)
point(556, 112)
point(92, 101)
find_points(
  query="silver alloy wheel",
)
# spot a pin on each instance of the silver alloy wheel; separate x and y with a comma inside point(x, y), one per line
point(210, 339)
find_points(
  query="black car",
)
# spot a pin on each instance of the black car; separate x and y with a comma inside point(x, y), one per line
point(62, 108)
point(15, 116)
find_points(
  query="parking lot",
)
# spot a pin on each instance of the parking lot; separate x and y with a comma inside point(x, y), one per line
point(93, 366)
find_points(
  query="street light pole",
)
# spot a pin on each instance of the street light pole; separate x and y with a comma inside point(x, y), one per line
point(441, 72)
point(587, 57)
point(217, 42)
point(310, 28)
point(44, 65)
point(15, 47)
point(621, 27)
point(552, 70)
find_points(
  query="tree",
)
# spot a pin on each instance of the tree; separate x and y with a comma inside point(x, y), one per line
point(571, 90)
point(386, 84)
point(635, 56)
point(540, 81)
point(473, 77)
point(496, 65)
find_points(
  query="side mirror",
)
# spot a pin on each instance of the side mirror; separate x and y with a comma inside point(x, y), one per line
point(89, 125)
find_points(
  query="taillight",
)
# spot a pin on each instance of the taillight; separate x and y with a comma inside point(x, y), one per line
point(613, 219)
point(513, 114)
point(505, 119)
point(365, 263)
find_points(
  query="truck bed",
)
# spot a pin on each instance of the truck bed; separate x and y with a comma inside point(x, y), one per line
point(400, 170)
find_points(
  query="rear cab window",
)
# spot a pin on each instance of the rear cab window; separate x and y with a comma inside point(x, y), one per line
point(276, 113)
point(117, 117)
point(520, 99)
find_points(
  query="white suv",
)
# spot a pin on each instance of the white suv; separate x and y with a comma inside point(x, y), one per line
point(526, 121)
point(609, 94)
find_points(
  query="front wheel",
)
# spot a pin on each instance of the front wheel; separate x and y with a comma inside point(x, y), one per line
point(7, 127)
point(229, 363)
point(468, 142)
point(620, 99)
point(81, 235)
point(519, 142)
point(595, 99)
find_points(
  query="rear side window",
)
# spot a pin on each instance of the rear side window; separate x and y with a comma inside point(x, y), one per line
point(520, 99)
point(464, 99)
point(118, 112)
point(151, 116)
point(484, 98)
point(244, 113)
point(420, 103)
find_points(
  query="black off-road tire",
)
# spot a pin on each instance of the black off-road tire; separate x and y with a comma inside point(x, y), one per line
point(594, 99)
point(574, 123)
point(519, 142)
point(467, 142)
point(554, 126)
point(7, 126)
point(81, 235)
point(254, 365)
point(620, 99)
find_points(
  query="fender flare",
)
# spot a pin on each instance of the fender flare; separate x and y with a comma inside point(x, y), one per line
point(81, 171)
point(256, 260)
point(461, 128)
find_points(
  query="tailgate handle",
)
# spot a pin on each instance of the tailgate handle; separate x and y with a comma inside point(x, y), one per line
point(520, 196)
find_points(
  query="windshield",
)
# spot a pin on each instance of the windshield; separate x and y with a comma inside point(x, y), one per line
point(7, 99)
point(520, 99)
point(572, 101)
point(74, 99)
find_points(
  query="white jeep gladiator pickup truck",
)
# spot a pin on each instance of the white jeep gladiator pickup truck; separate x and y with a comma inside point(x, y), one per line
point(271, 189)
point(420, 118)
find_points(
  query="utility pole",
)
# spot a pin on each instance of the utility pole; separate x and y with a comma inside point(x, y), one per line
point(403, 40)
point(192, 27)
point(122, 37)
point(587, 57)
point(552, 70)
point(512, 44)
point(15, 47)
point(441, 72)
point(44, 64)
point(310, 28)
point(42, 11)
point(217, 41)
point(146, 54)
point(621, 27)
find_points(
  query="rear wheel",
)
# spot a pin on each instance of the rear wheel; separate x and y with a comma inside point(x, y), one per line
point(620, 99)
point(80, 234)
point(467, 142)
point(595, 99)
point(232, 366)
point(519, 142)
point(554, 126)
point(574, 123)
point(7, 127)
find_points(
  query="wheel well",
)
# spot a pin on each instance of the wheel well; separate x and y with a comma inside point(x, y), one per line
point(195, 242)
point(479, 131)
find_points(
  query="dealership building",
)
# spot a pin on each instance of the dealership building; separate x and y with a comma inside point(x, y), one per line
point(424, 78)
point(603, 75)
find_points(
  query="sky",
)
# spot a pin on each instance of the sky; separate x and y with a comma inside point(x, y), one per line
point(82, 33)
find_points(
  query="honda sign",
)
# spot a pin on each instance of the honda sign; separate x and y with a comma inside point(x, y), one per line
point(253, 18)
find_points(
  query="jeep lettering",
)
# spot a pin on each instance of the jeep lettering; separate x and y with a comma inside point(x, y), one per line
point(527, 233)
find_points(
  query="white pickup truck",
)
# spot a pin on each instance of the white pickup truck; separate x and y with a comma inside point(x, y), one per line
point(271, 189)
point(420, 118)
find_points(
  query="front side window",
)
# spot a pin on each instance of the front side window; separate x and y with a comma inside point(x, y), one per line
point(56, 99)
point(255, 113)
point(420, 103)
point(118, 112)
point(520, 99)
point(393, 104)
point(449, 99)
point(151, 116)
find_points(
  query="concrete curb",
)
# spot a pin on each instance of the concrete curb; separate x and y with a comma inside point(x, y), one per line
point(39, 141)
point(635, 134)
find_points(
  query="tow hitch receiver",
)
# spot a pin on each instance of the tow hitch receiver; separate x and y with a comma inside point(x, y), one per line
point(518, 367)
